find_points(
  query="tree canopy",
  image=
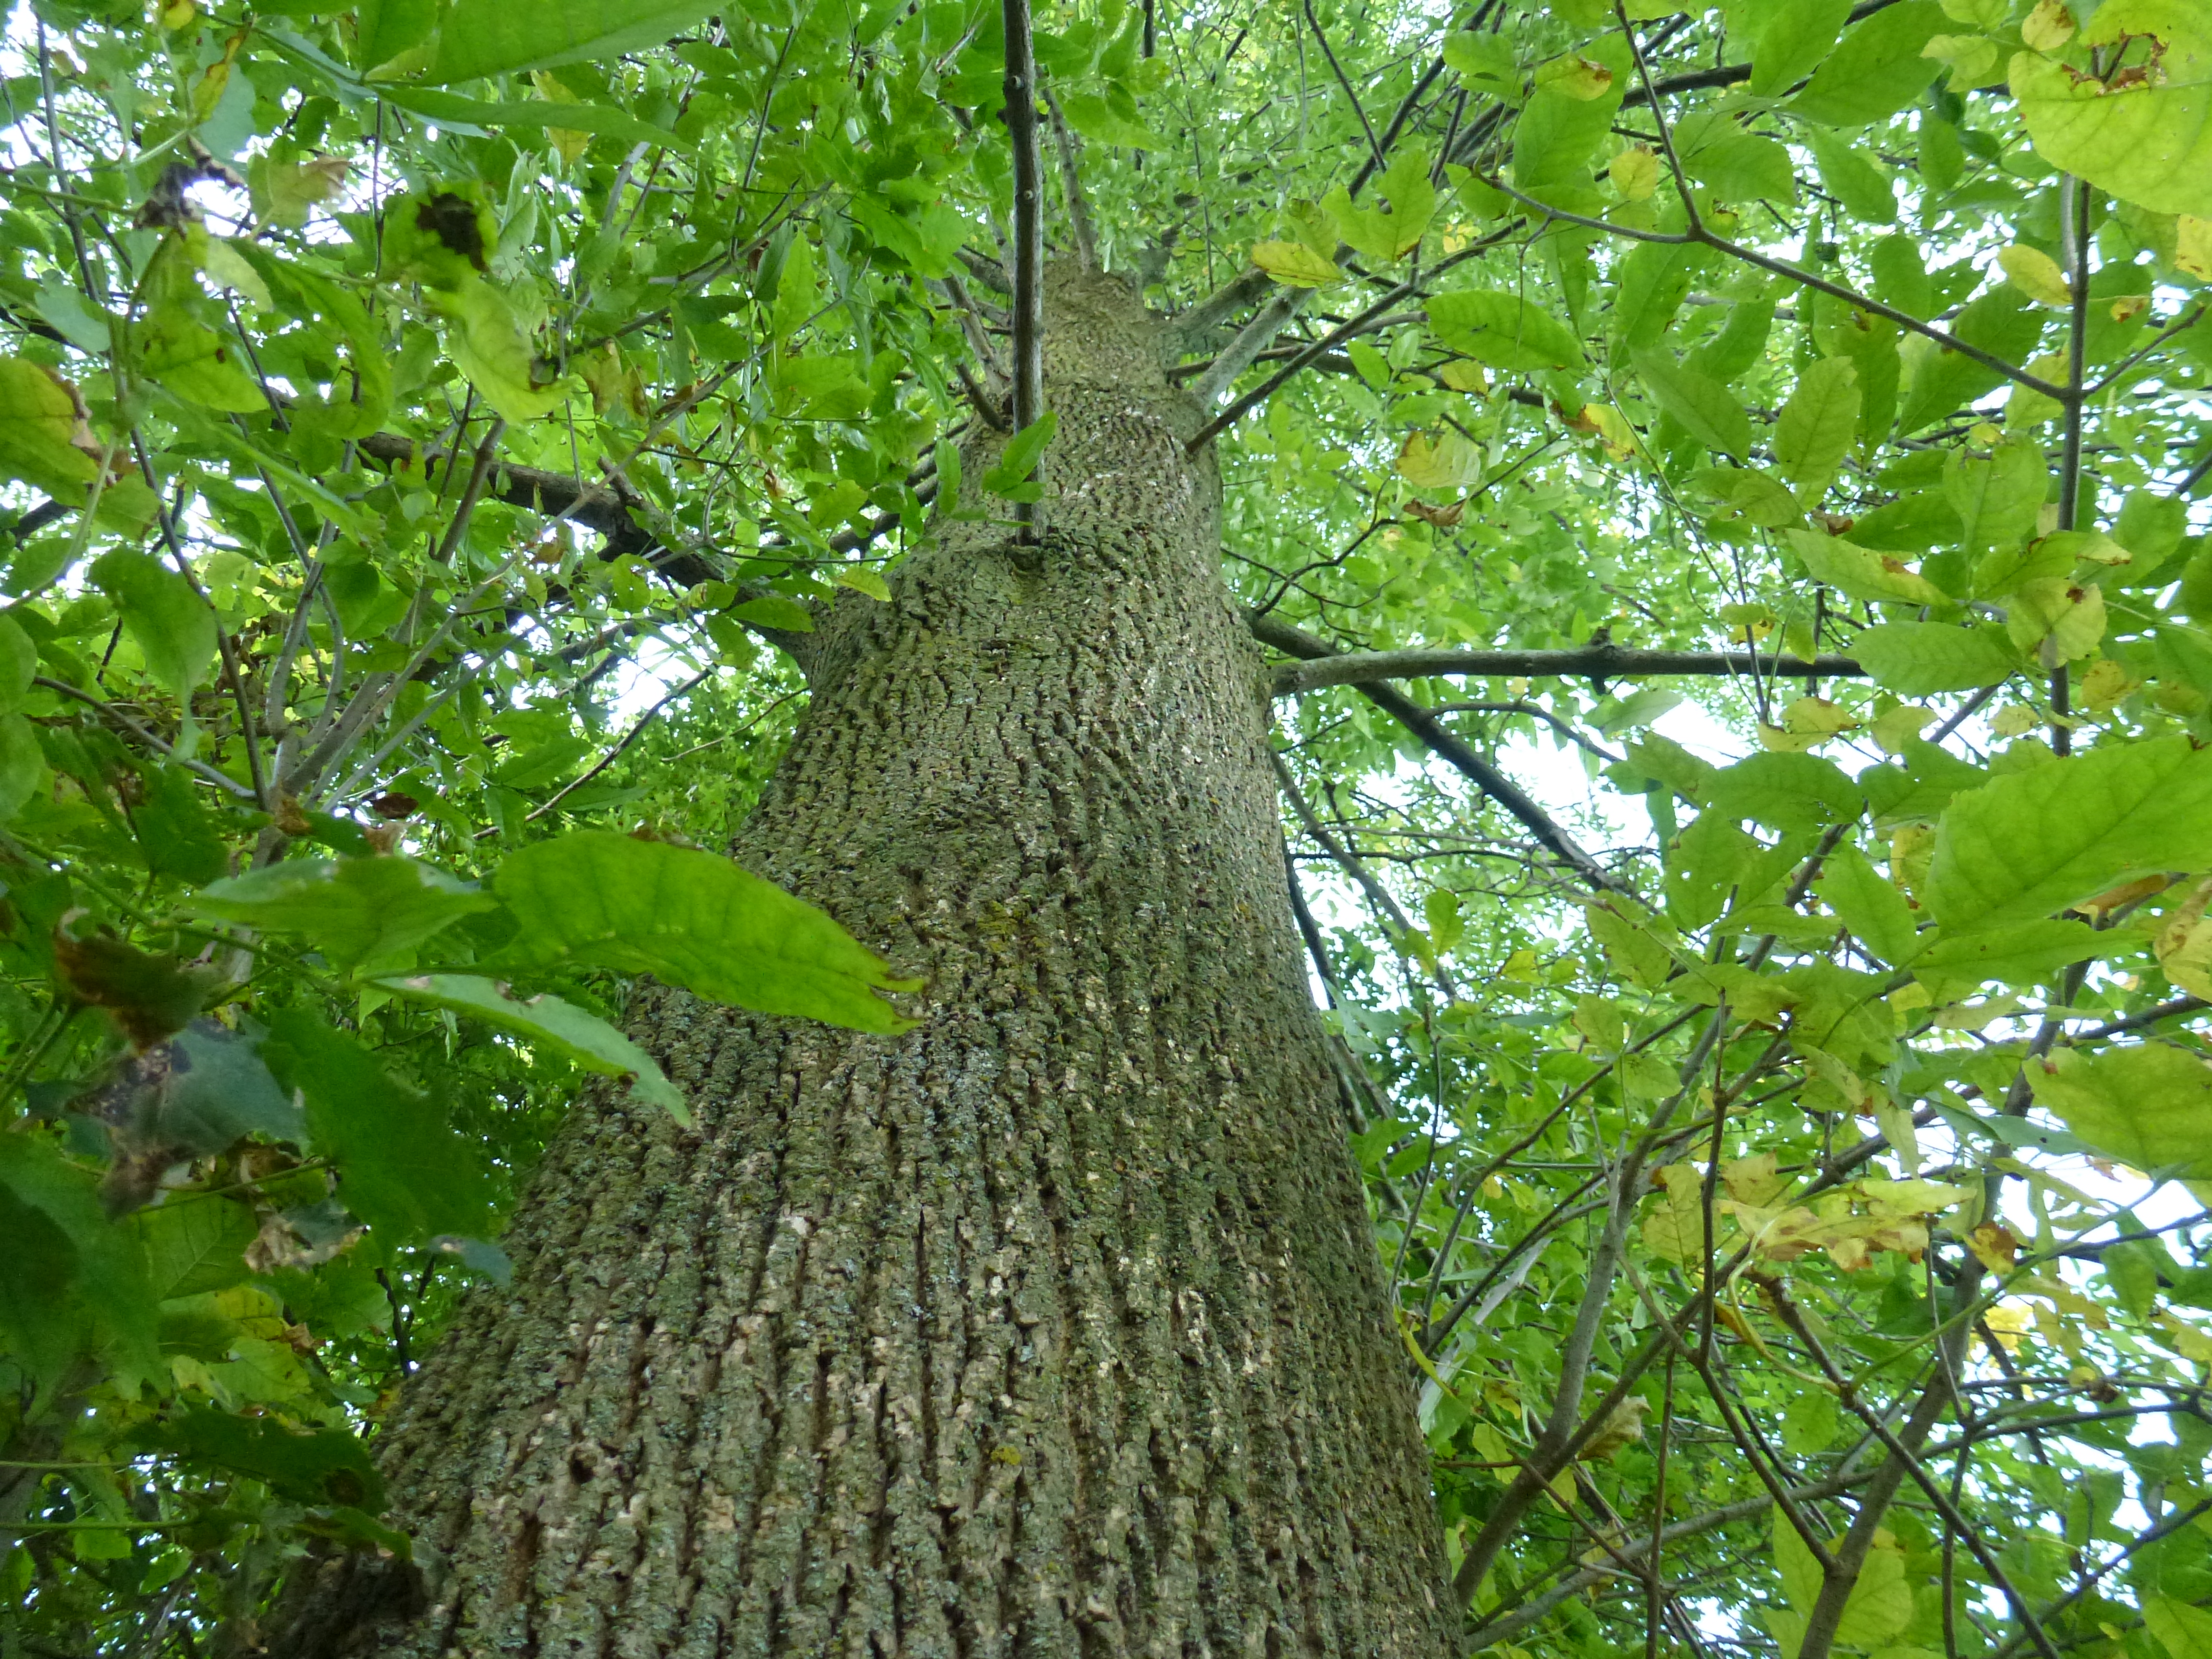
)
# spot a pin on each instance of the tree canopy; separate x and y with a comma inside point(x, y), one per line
point(433, 425)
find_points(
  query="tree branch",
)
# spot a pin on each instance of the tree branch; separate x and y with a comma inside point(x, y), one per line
point(1591, 662)
point(1377, 894)
point(1070, 187)
point(1029, 236)
point(1296, 641)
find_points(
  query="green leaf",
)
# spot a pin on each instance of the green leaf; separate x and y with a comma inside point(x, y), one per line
point(479, 38)
point(195, 1243)
point(107, 1297)
point(1864, 188)
point(535, 114)
point(1800, 1569)
point(43, 435)
point(401, 1167)
point(1997, 496)
point(1809, 1424)
point(1869, 903)
point(2017, 953)
point(1387, 235)
point(1876, 71)
point(1095, 117)
point(1911, 524)
point(1502, 330)
point(1900, 278)
point(485, 340)
point(1879, 1606)
point(1556, 132)
point(329, 1466)
point(1745, 168)
point(216, 1089)
point(2184, 1631)
point(186, 357)
point(1784, 792)
point(1655, 279)
point(172, 626)
point(353, 910)
point(1018, 459)
point(773, 611)
point(1920, 659)
point(695, 920)
point(1707, 410)
point(2032, 843)
point(1793, 39)
point(2149, 1105)
point(2003, 322)
point(1858, 572)
point(1818, 424)
point(563, 1027)
point(23, 764)
point(1755, 497)
point(2147, 139)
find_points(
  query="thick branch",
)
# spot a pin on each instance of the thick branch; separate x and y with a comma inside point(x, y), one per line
point(1591, 662)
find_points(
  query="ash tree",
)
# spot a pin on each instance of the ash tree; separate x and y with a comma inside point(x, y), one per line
point(982, 827)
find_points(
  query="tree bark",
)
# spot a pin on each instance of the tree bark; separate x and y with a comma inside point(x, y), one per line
point(1053, 1326)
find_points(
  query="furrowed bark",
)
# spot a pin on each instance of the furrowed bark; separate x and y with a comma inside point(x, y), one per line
point(1053, 1326)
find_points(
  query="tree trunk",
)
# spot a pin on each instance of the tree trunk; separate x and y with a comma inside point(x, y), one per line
point(1054, 1327)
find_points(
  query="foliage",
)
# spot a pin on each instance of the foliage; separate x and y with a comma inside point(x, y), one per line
point(1820, 1174)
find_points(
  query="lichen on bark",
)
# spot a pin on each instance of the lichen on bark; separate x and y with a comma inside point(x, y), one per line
point(1052, 1327)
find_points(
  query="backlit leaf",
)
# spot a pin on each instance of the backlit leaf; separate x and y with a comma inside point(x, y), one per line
point(2149, 1103)
point(2035, 841)
point(1502, 330)
point(695, 920)
point(562, 1027)
point(2147, 139)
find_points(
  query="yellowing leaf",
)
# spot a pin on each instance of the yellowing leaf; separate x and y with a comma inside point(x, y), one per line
point(2035, 273)
point(2149, 1103)
point(1613, 429)
point(2193, 246)
point(861, 580)
point(1447, 461)
point(1622, 1428)
point(2048, 607)
point(43, 440)
point(1995, 1246)
point(2009, 1321)
point(1462, 375)
point(1295, 264)
point(2107, 684)
point(2145, 135)
point(1817, 717)
point(1894, 728)
point(283, 191)
point(1753, 1179)
point(1579, 78)
point(2048, 27)
point(1635, 173)
point(2183, 945)
point(1861, 574)
point(484, 337)
point(1912, 1197)
point(1973, 58)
